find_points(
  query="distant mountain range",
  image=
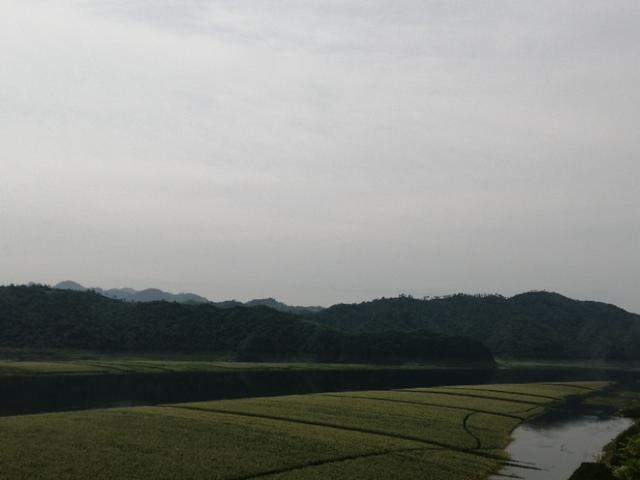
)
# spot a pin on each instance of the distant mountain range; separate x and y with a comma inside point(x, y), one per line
point(131, 295)
point(40, 317)
point(155, 295)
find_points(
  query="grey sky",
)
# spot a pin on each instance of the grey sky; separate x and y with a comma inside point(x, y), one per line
point(322, 151)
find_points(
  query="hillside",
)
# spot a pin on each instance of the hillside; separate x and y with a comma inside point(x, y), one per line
point(537, 325)
point(283, 307)
point(42, 317)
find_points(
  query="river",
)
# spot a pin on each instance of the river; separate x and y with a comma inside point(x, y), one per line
point(47, 393)
point(553, 447)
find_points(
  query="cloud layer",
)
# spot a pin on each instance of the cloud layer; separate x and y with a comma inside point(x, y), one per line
point(322, 151)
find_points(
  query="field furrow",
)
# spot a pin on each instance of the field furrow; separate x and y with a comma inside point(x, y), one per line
point(507, 393)
point(426, 404)
point(471, 395)
point(333, 461)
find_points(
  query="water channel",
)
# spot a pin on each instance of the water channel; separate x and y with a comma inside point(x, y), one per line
point(553, 446)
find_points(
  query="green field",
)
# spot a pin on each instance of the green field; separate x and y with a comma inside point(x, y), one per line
point(116, 365)
point(26, 362)
point(67, 362)
point(432, 433)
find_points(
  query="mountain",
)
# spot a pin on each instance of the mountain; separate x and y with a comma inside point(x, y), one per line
point(533, 325)
point(70, 285)
point(151, 295)
point(41, 317)
point(156, 295)
point(131, 295)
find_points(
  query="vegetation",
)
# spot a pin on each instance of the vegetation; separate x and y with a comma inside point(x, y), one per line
point(538, 325)
point(624, 457)
point(592, 471)
point(433, 433)
point(541, 325)
point(629, 460)
point(43, 318)
point(93, 363)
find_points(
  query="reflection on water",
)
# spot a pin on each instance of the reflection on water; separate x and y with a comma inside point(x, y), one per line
point(556, 448)
point(45, 393)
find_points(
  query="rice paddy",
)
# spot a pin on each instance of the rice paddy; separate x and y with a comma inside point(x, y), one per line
point(427, 433)
point(125, 365)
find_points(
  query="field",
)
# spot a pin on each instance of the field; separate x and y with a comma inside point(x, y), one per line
point(26, 362)
point(143, 365)
point(16, 362)
point(432, 433)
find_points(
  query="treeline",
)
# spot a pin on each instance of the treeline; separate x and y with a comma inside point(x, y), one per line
point(40, 317)
point(535, 325)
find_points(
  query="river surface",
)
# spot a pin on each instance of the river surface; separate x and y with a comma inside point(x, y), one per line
point(553, 448)
point(47, 393)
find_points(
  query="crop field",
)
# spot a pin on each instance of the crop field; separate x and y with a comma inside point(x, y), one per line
point(430, 434)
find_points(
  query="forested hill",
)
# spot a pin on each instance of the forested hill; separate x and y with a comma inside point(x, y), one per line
point(40, 317)
point(536, 325)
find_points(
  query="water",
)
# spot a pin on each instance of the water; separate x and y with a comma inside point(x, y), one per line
point(47, 393)
point(555, 447)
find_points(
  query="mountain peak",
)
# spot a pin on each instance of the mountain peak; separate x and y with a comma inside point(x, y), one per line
point(70, 285)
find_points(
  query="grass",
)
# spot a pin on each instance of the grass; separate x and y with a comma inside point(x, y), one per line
point(434, 434)
point(25, 362)
point(124, 365)
point(580, 364)
point(14, 362)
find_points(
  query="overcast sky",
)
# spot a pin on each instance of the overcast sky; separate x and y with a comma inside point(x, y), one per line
point(322, 151)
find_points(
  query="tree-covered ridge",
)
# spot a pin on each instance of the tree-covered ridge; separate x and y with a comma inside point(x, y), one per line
point(42, 317)
point(537, 325)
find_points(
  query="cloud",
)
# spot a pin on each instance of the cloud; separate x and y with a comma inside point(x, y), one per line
point(311, 150)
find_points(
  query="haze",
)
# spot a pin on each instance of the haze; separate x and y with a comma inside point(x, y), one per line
point(322, 151)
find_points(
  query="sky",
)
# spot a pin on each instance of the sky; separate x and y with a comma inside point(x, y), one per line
point(322, 151)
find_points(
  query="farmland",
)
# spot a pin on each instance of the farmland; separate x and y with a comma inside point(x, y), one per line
point(427, 433)
point(112, 364)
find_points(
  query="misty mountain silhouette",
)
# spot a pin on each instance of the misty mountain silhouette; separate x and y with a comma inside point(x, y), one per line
point(155, 295)
point(132, 295)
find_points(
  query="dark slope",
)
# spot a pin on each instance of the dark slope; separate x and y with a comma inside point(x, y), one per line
point(531, 325)
point(283, 307)
point(42, 317)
